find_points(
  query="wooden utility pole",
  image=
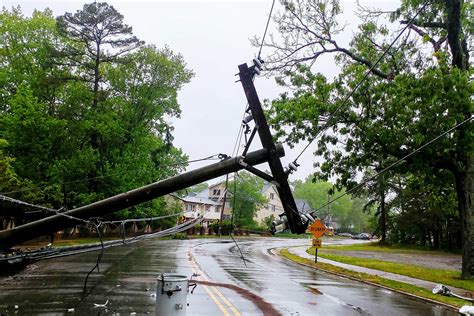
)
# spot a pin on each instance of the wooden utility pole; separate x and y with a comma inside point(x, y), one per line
point(280, 177)
point(131, 198)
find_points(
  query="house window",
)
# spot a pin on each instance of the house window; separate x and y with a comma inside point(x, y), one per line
point(273, 208)
point(272, 196)
point(216, 192)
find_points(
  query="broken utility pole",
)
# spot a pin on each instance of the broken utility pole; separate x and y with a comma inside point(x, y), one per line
point(122, 201)
point(280, 177)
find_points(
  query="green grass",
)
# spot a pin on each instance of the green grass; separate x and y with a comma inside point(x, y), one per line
point(395, 285)
point(377, 247)
point(446, 277)
point(289, 235)
point(80, 241)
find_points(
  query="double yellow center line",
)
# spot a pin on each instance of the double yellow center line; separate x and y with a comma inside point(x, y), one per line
point(219, 299)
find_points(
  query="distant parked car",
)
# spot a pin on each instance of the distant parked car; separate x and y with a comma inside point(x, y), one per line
point(363, 236)
point(348, 235)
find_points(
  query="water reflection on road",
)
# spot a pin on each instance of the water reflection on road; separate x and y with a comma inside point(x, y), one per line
point(127, 279)
point(296, 290)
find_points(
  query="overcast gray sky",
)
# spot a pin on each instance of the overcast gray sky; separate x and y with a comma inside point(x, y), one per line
point(213, 37)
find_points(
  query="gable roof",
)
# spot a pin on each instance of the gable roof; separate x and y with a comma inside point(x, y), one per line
point(198, 200)
point(302, 206)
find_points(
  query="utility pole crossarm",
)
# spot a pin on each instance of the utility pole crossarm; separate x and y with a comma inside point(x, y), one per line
point(246, 75)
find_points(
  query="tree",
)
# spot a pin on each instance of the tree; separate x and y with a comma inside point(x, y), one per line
point(317, 193)
point(102, 37)
point(198, 187)
point(48, 119)
point(412, 96)
point(99, 37)
point(246, 198)
point(8, 179)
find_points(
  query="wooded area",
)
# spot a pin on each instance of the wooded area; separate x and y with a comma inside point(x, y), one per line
point(84, 110)
point(420, 89)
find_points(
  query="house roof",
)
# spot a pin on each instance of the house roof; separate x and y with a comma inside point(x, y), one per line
point(266, 186)
point(302, 206)
point(204, 193)
point(198, 200)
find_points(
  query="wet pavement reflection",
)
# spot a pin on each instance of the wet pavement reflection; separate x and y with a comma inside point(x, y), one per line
point(127, 280)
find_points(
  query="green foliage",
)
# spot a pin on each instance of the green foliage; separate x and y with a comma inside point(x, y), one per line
point(246, 199)
point(420, 88)
point(180, 236)
point(267, 222)
point(347, 211)
point(83, 108)
point(8, 179)
point(198, 187)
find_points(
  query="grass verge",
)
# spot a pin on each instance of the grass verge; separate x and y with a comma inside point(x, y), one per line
point(446, 277)
point(367, 278)
point(377, 247)
point(295, 236)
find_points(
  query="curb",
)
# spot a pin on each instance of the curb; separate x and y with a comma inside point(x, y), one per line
point(368, 282)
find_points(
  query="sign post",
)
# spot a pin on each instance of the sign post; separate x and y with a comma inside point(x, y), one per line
point(317, 229)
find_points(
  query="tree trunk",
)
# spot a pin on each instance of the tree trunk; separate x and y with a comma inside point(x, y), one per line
point(423, 237)
point(383, 207)
point(436, 239)
point(453, 26)
point(464, 190)
point(464, 182)
point(383, 216)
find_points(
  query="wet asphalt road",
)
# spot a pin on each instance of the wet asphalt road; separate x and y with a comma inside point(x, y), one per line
point(127, 279)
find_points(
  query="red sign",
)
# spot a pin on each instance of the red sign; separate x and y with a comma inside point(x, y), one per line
point(317, 229)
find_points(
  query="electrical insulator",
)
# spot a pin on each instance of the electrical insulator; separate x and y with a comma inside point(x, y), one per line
point(247, 119)
point(258, 63)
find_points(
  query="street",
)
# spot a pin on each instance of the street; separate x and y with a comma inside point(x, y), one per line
point(127, 280)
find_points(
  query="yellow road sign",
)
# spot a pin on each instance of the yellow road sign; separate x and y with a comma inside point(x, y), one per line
point(317, 243)
point(317, 229)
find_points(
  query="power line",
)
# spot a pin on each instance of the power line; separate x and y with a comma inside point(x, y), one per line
point(39, 207)
point(114, 174)
point(394, 164)
point(266, 28)
point(73, 250)
point(144, 219)
point(239, 134)
point(366, 75)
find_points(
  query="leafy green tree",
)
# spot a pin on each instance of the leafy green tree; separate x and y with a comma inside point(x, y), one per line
point(103, 38)
point(343, 210)
point(246, 199)
point(267, 222)
point(8, 178)
point(98, 37)
point(419, 89)
point(198, 187)
point(76, 135)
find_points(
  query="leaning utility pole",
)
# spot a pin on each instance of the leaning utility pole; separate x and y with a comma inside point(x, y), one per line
point(134, 197)
point(280, 177)
point(270, 153)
